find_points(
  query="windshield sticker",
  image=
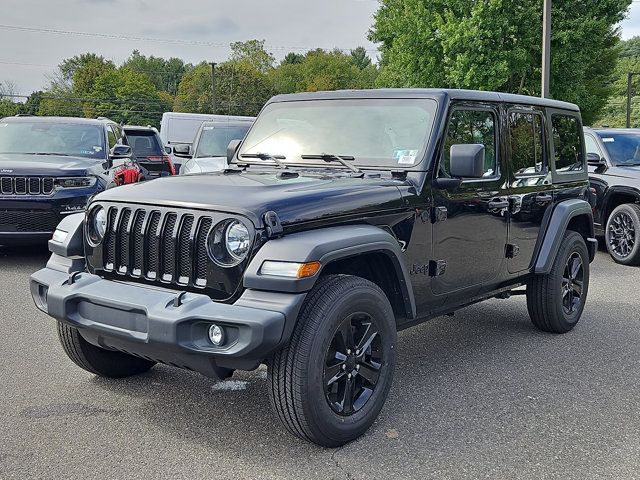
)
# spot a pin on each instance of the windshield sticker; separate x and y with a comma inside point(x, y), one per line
point(405, 157)
point(97, 148)
point(209, 128)
point(608, 140)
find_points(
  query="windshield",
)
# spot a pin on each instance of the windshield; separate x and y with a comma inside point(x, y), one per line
point(214, 139)
point(51, 138)
point(144, 143)
point(384, 133)
point(623, 148)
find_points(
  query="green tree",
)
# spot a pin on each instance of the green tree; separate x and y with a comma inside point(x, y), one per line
point(292, 58)
point(495, 45)
point(360, 58)
point(164, 74)
point(630, 48)
point(240, 89)
point(614, 113)
point(253, 53)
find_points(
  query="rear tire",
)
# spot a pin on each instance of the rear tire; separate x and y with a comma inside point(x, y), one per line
point(330, 382)
point(623, 234)
point(96, 360)
point(556, 300)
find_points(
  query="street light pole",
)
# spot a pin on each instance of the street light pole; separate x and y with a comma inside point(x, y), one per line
point(213, 87)
point(629, 93)
point(546, 48)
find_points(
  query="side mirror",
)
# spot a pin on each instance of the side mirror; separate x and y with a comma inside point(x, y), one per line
point(183, 151)
point(167, 150)
point(120, 152)
point(595, 160)
point(467, 161)
point(232, 148)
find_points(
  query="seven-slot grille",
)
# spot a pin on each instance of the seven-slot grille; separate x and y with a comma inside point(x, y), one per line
point(26, 185)
point(169, 246)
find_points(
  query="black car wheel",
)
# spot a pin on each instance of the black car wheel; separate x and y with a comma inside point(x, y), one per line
point(96, 360)
point(623, 234)
point(330, 382)
point(556, 300)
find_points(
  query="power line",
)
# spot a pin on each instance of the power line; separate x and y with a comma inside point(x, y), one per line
point(110, 36)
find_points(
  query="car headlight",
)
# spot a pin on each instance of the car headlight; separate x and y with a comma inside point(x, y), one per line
point(229, 243)
point(75, 182)
point(97, 225)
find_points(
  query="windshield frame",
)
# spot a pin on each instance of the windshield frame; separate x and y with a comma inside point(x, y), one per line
point(35, 152)
point(602, 135)
point(420, 157)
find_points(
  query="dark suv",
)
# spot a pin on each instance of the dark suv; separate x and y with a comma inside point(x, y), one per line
point(342, 218)
point(49, 168)
point(150, 153)
point(614, 165)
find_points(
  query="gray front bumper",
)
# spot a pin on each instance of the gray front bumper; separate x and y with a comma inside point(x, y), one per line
point(149, 322)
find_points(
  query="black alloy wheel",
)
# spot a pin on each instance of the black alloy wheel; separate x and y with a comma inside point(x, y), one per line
point(572, 284)
point(622, 234)
point(353, 363)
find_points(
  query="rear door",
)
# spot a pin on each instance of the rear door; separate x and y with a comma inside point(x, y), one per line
point(530, 192)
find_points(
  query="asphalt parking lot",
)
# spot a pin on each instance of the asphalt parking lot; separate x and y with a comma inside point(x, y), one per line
point(481, 394)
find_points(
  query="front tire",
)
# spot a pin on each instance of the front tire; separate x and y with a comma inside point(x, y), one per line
point(330, 382)
point(96, 360)
point(623, 234)
point(556, 300)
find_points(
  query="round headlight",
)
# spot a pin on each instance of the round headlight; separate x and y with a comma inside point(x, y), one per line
point(97, 225)
point(238, 240)
point(229, 243)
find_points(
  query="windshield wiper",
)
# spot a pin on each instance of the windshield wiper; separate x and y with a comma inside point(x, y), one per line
point(327, 157)
point(265, 156)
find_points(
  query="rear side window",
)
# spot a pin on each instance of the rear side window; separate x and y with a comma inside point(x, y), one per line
point(113, 140)
point(472, 126)
point(527, 143)
point(567, 143)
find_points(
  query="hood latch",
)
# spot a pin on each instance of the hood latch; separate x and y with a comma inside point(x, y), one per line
point(273, 225)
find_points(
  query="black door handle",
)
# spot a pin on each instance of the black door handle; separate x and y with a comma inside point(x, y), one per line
point(498, 204)
point(544, 198)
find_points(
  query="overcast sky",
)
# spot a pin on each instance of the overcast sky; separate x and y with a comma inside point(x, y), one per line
point(26, 58)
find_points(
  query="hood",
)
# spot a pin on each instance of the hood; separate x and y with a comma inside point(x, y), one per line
point(305, 197)
point(47, 165)
point(207, 164)
point(625, 172)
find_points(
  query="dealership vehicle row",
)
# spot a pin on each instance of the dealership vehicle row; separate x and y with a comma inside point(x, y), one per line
point(304, 239)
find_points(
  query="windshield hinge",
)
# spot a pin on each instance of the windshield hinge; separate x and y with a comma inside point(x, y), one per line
point(438, 214)
point(272, 224)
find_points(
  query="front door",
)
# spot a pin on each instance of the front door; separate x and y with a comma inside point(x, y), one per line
point(530, 179)
point(472, 238)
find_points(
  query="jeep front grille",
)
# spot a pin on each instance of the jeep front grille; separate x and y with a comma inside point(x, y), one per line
point(168, 246)
point(26, 185)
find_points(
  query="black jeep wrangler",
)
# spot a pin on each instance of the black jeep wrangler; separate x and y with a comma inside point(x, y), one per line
point(613, 155)
point(344, 217)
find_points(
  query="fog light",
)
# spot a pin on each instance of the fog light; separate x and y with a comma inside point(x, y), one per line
point(216, 335)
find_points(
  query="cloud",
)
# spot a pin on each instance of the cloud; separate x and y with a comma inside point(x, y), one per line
point(193, 29)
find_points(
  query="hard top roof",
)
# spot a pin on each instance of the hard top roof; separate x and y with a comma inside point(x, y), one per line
point(605, 130)
point(435, 93)
point(78, 120)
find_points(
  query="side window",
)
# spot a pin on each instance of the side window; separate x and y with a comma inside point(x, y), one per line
point(527, 143)
point(591, 146)
point(111, 138)
point(567, 143)
point(472, 126)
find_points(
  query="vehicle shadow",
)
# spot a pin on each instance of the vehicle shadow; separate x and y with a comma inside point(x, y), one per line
point(31, 255)
point(435, 362)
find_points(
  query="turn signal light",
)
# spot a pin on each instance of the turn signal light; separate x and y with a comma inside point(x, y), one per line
point(290, 269)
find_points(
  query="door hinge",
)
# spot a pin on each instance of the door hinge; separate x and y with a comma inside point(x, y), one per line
point(437, 267)
point(512, 250)
point(273, 225)
point(438, 214)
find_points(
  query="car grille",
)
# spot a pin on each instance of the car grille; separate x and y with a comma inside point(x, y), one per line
point(167, 246)
point(28, 221)
point(26, 185)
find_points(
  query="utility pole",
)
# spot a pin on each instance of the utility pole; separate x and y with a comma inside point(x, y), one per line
point(546, 48)
point(213, 87)
point(629, 94)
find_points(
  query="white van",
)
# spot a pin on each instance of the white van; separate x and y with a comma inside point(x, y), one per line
point(181, 128)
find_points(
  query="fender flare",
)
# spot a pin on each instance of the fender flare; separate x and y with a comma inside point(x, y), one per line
point(557, 225)
point(327, 245)
point(611, 192)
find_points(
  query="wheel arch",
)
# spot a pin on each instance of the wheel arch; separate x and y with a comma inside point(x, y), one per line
point(361, 250)
point(617, 196)
point(575, 215)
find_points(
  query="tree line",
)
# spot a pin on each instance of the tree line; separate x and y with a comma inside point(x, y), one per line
point(486, 45)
